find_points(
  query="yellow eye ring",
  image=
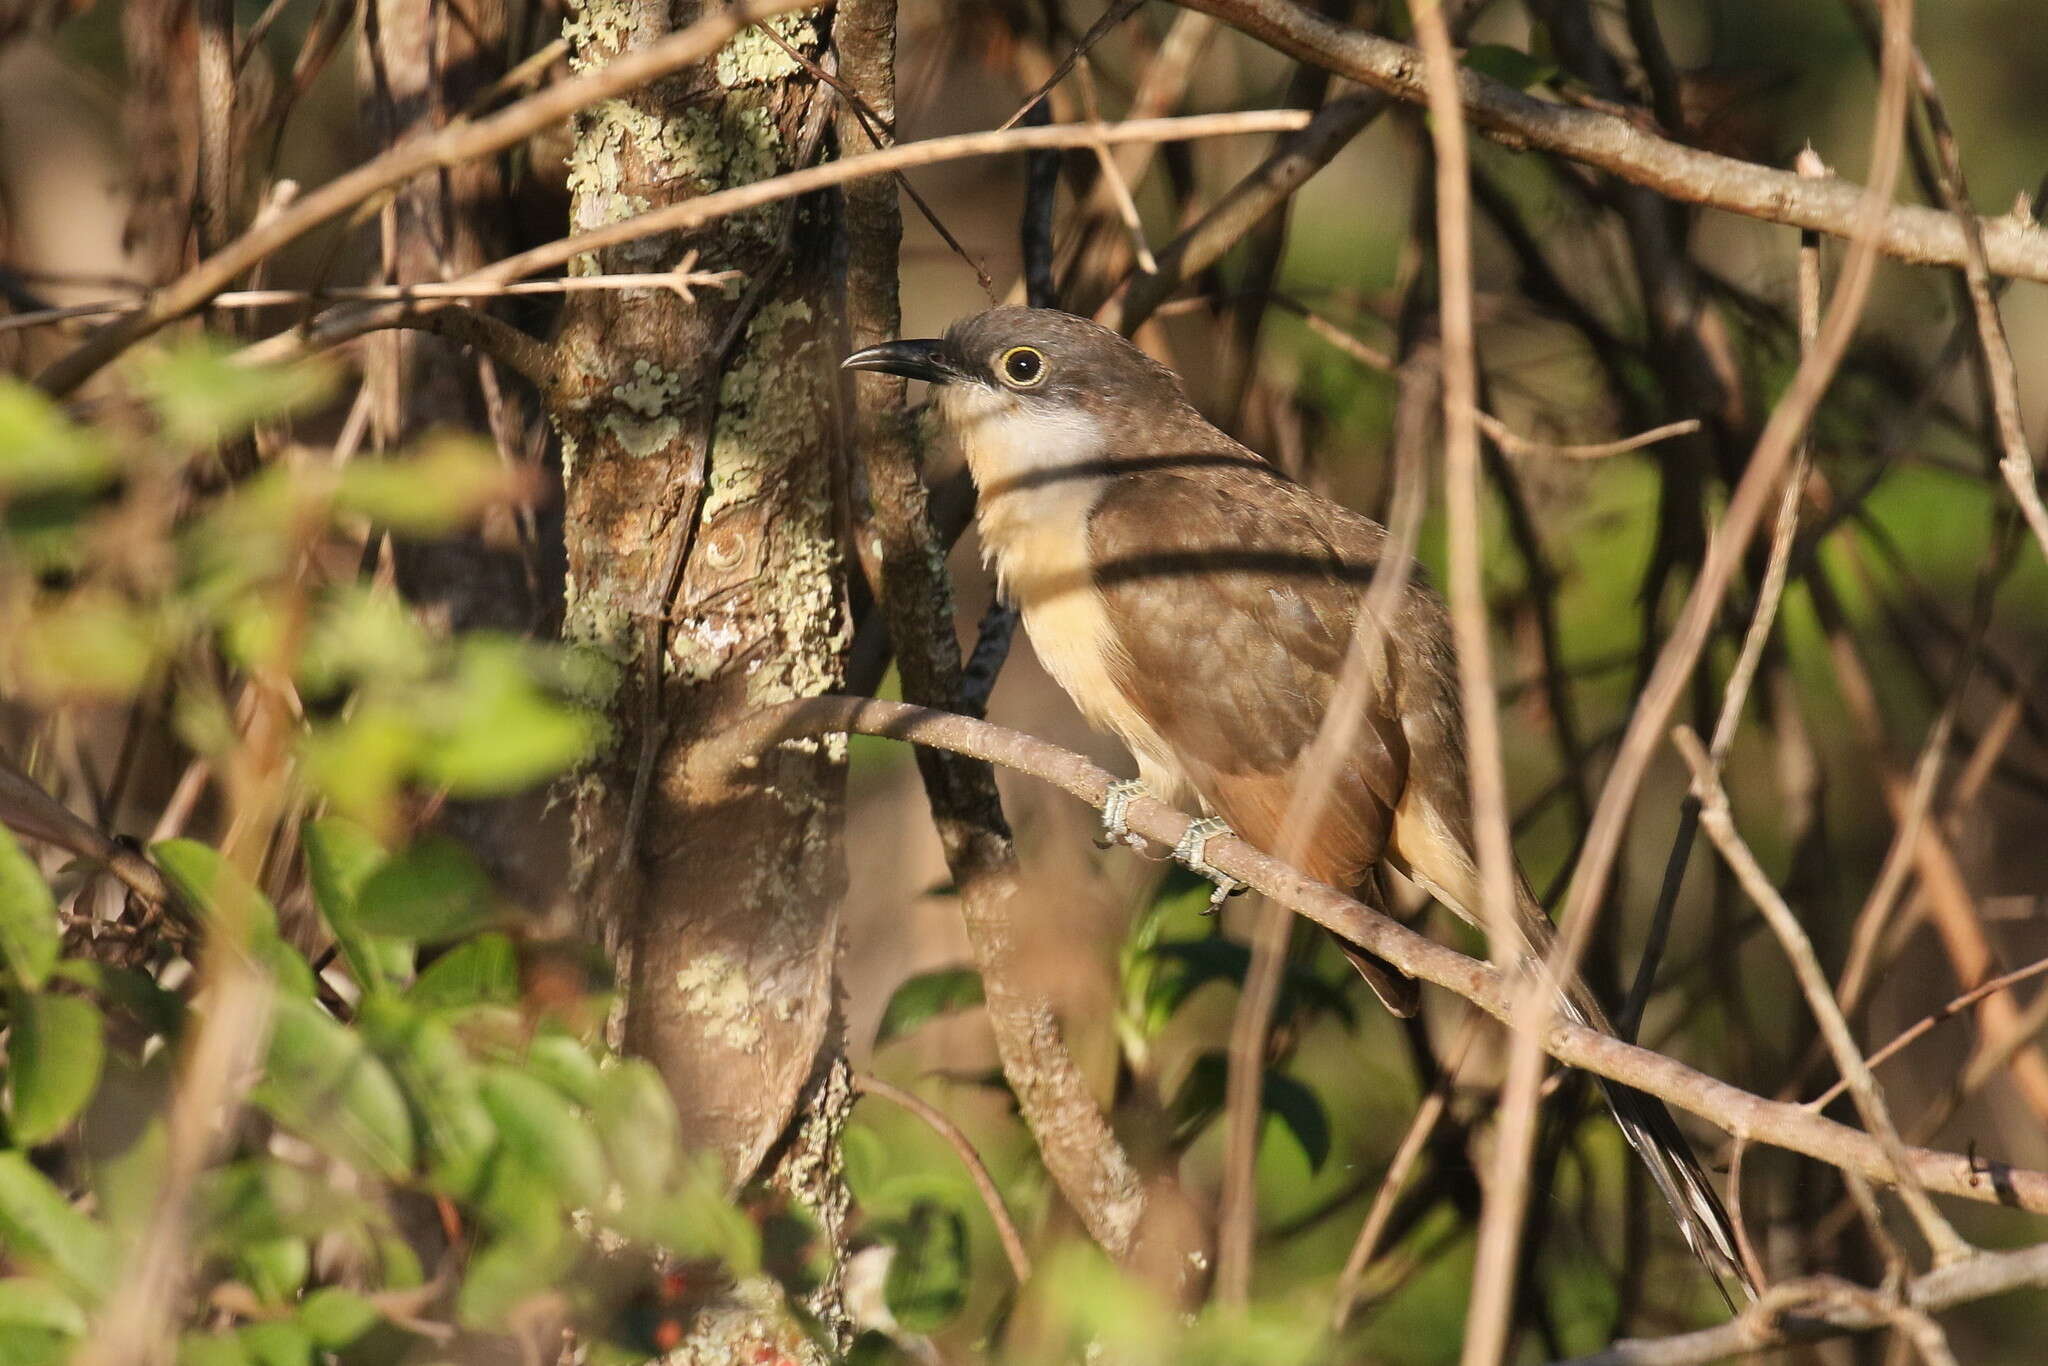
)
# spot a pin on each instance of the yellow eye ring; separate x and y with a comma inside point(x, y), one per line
point(1022, 367)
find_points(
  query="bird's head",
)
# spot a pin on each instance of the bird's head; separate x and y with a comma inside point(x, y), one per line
point(1027, 389)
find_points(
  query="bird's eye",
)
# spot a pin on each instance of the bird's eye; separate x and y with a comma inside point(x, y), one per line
point(1023, 367)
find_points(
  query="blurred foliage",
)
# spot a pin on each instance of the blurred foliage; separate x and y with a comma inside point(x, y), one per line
point(438, 1146)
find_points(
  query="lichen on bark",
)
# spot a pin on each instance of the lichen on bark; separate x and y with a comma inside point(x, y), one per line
point(702, 537)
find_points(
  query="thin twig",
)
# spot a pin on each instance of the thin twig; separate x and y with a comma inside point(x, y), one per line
point(1824, 1307)
point(2015, 246)
point(1736, 1111)
point(1351, 1280)
point(681, 281)
point(1509, 441)
point(1928, 1022)
point(458, 142)
point(977, 1171)
point(1507, 1180)
point(1946, 1244)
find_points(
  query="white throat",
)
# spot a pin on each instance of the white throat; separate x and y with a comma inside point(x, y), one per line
point(1039, 476)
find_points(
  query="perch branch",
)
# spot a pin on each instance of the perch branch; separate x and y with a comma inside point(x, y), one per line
point(1742, 1113)
point(2014, 246)
point(1824, 1307)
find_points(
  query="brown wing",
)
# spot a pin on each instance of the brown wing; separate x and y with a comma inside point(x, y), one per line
point(1232, 595)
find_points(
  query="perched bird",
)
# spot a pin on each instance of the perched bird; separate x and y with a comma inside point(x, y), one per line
point(1199, 605)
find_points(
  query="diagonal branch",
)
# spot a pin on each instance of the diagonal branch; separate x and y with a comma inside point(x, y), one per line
point(460, 141)
point(1824, 1307)
point(1948, 1246)
point(1073, 1136)
point(2014, 246)
point(1739, 1112)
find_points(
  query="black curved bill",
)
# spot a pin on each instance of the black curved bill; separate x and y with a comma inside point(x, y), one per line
point(917, 358)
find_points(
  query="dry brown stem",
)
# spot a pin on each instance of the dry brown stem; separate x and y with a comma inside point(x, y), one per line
point(1754, 1118)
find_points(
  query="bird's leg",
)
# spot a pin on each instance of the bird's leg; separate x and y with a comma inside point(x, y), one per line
point(1193, 843)
point(1116, 803)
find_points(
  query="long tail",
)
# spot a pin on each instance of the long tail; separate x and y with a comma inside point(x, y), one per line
point(1673, 1167)
point(1649, 1128)
point(1432, 852)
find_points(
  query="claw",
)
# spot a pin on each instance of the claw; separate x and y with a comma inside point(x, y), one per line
point(1116, 803)
point(1190, 850)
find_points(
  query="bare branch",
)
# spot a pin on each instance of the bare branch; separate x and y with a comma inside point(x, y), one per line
point(977, 1170)
point(1506, 1181)
point(1946, 1243)
point(1508, 440)
point(2014, 246)
point(458, 142)
point(1823, 1307)
point(1750, 1116)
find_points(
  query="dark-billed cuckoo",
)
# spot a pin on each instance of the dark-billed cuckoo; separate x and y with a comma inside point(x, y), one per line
point(1199, 605)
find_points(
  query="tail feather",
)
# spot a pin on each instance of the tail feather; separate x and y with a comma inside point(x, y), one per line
point(1672, 1166)
point(1430, 849)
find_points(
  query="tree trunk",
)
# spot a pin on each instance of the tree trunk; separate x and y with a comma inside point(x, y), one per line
point(703, 507)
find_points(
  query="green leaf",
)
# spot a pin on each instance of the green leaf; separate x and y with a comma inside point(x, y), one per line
point(206, 1349)
point(430, 893)
point(124, 1139)
point(35, 1347)
point(275, 1268)
point(204, 397)
point(547, 1136)
point(565, 1064)
point(442, 485)
point(40, 449)
point(227, 901)
point(511, 1270)
point(1509, 65)
point(1200, 1099)
point(360, 760)
point(440, 1085)
point(504, 732)
point(1190, 964)
point(925, 996)
point(324, 1084)
point(29, 936)
point(334, 1317)
point(482, 970)
point(215, 888)
point(1297, 1107)
point(636, 1120)
point(28, 1303)
point(278, 1343)
point(54, 1057)
point(41, 1231)
point(340, 857)
point(926, 1284)
point(88, 644)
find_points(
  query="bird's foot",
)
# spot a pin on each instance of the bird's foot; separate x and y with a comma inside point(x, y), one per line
point(1116, 804)
point(1193, 844)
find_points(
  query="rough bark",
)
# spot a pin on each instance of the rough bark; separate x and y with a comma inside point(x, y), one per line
point(1150, 1226)
point(159, 42)
point(701, 527)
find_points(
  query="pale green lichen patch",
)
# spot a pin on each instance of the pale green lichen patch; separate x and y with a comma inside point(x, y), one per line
point(753, 58)
point(596, 30)
point(715, 988)
point(758, 425)
point(651, 390)
point(643, 438)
